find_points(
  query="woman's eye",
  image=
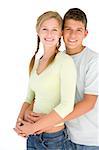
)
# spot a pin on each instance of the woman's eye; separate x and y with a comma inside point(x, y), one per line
point(67, 29)
point(44, 29)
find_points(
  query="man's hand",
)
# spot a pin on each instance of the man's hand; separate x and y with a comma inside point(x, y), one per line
point(29, 118)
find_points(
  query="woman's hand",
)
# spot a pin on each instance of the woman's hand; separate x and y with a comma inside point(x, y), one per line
point(33, 117)
point(29, 118)
point(25, 128)
point(17, 130)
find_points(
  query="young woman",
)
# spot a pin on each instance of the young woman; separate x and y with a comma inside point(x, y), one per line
point(52, 87)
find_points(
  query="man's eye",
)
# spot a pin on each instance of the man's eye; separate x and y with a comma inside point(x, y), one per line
point(79, 30)
point(54, 29)
point(67, 29)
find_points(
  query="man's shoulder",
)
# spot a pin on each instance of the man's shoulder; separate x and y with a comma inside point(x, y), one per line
point(91, 52)
point(88, 56)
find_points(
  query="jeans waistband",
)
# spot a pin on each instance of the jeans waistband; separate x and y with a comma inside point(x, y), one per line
point(55, 134)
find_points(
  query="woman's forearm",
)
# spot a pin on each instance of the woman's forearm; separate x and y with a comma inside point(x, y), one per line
point(30, 107)
point(23, 109)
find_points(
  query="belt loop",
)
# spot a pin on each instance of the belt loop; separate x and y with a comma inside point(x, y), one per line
point(41, 137)
point(65, 132)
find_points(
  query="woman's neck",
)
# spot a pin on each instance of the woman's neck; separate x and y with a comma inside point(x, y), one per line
point(48, 53)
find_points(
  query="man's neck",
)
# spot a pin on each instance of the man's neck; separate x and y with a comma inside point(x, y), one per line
point(74, 51)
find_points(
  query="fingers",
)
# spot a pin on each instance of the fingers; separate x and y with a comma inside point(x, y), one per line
point(39, 132)
point(16, 129)
point(28, 119)
point(19, 132)
point(37, 114)
point(32, 117)
point(28, 116)
point(36, 119)
point(22, 122)
point(19, 119)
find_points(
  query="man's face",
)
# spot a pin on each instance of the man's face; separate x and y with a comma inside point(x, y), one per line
point(73, 34)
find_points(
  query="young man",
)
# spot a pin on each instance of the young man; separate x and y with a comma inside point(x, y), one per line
point(83, 129)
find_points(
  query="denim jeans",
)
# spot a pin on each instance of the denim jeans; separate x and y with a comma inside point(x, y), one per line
point(48, 141)
point(74, 146)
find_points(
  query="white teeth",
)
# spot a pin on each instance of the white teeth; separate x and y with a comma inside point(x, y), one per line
point(49, 40)
point(72, 40)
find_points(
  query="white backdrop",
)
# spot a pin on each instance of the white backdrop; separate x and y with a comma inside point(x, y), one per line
point(17, 42)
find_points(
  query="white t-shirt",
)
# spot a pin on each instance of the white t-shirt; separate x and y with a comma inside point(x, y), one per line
point(85, 129)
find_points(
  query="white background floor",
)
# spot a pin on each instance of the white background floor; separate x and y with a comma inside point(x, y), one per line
point(17, 42)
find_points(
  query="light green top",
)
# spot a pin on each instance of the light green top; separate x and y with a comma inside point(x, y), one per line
point(54, 88)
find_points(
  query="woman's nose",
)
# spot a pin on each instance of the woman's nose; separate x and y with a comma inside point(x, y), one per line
point(49, 33)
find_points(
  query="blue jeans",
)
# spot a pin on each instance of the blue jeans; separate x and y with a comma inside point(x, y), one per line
point(74, 146)
point(48, 141)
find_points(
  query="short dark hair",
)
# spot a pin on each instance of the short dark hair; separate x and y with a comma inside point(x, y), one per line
point(75, 14)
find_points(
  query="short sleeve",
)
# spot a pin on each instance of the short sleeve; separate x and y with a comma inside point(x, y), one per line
point(92, 77)
point(67, 87)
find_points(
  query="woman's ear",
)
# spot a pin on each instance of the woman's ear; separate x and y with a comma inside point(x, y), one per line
point(62, 33)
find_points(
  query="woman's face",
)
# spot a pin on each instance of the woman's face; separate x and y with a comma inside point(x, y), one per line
point(50, 32)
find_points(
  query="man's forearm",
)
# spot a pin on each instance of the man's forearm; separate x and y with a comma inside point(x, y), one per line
point(82, 107)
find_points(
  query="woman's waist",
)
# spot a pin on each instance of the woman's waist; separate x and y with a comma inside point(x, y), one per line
point(45, 108)
point(56, 128)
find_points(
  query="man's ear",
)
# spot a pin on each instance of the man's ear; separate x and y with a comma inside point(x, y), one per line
point(86, 32)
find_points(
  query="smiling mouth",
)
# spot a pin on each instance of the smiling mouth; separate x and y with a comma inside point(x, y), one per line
point(72, 41)
point(49, 40)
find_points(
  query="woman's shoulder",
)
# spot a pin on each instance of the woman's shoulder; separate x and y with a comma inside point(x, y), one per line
point(63, 56)
point(65, 60)
point(35, 66)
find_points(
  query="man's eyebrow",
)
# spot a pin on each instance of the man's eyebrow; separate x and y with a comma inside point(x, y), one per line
point(81, 28)
point(65, 26)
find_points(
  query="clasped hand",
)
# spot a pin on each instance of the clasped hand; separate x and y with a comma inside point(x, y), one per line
point(27, 126)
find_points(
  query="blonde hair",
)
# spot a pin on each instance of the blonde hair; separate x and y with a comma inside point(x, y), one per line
point(48, 15)
point(45, 16)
